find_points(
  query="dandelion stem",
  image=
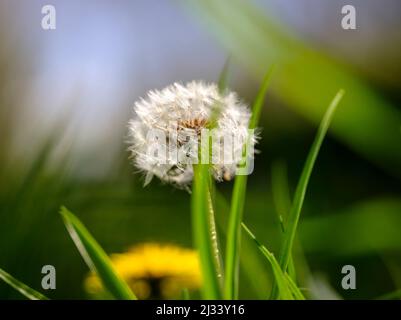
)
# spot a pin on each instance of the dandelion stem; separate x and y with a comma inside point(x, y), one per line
point(214, 239)
point(201, 232)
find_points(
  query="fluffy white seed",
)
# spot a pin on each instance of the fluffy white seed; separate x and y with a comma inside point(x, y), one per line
point(180, 113)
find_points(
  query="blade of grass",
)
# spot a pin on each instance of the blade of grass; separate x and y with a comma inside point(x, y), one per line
point(201, 231)
point(294, 288)
point(21, 287)
point(293, 218)
point(281, 279)
point(95, 257)
point(237, 207)
point(256, 39)
point(213, 236)
point(251, 264)
point(394, 295)
point(286, 285)
point(203, 220)
point(260, 99)
point(222, 85)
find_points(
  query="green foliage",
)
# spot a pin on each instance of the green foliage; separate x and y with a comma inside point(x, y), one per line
point(357, 224)
point(367, 123)
point(201, 232)
point(95, 257)
point(286, 286)
point(295, 212)
point(20, 287)
point(237, 207)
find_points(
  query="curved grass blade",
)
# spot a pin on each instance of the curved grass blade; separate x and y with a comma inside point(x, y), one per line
point(95, 257)
point(213, 235)
point(293, 218)
point(294, 288)
point(394, 295)
point(201, 231)
point(260, 99)
point(281, 279)
point(256, 39)
point(222, 86)
point(252, 266)
point(237, 207)
point(21, 287)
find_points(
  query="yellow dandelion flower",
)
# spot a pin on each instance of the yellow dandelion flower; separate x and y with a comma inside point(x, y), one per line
point(154, 271)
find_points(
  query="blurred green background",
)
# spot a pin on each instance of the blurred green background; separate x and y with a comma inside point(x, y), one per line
point(66, 97)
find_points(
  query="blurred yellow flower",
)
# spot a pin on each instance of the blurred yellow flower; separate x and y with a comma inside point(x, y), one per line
point(154, 271)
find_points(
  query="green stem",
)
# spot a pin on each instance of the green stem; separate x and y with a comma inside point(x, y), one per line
point(214, 240)
point(234, 238)
point(201, 232)
point(237, 205)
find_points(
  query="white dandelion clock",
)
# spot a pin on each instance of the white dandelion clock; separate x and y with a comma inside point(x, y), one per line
point(171, 125)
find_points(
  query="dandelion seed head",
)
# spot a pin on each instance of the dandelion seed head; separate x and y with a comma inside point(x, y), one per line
point(181, 112)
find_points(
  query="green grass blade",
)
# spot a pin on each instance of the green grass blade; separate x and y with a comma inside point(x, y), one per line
point(237, 207)
point(233, 238)
point(95, 257)
point(213, 236)
point(20, 287)
point(292, 224)
point(252, 266)
point(394, 295)
point(294, 288)
point(256, 38)
point(260, 99)
point(281, 279)
point(201, 231)
point(203, 220)
point(222, 86)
